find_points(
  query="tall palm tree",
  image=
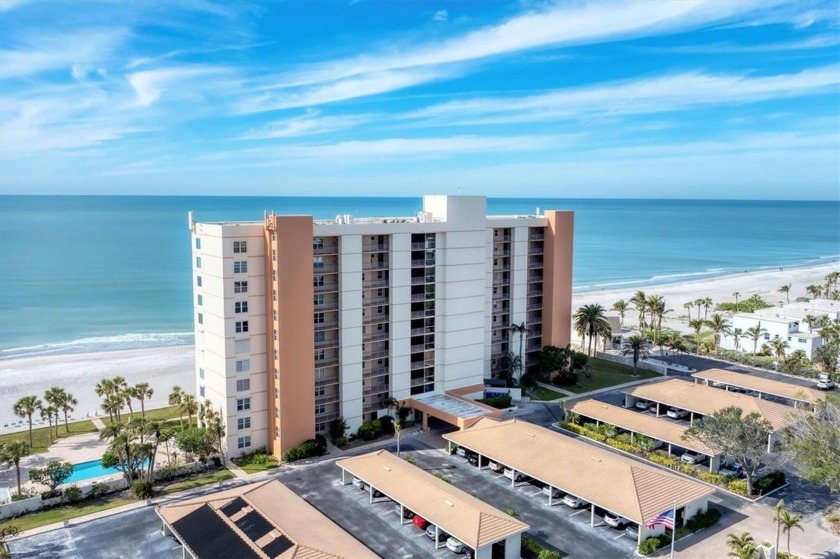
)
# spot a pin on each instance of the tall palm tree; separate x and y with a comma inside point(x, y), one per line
point(779, 346)
point(656, 307)
point(699, 303)
point(788, 521)
point(127, 394)
point(815, 290)
point(47, 413)
point(639, 301)
point(737, 333)
point(67, 403)
point(697, 324)
point(141, 392)
point(11, 453)
point(736, 295)
point(176, 398)
point(831, 282)
point(620, 307)
point(391, 404)
point(741, 547)
point(688, 306)
point(53, 395)
point(189, 406)
point(590, 319)
point(719, 325)
point(25, 407)
point(754, 333)
point(786, 290)
point(636, 345)
point(707, 302)
point(810, 319)
point(522, 330)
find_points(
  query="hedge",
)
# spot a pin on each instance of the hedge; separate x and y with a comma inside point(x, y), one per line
point(769, 482)
point(498, 402)
point(667, 461)
point(738, 486)
point(703, 520)
point(308, 449)
point(621, 445)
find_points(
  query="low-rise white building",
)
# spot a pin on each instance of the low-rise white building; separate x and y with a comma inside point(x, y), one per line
point(796, 323)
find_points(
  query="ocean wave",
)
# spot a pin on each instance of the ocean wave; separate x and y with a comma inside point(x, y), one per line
point(101, 343)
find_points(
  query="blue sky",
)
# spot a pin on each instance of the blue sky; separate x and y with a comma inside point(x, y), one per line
point(649, 99)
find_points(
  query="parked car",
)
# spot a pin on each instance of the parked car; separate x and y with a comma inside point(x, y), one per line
point(553, 492)
point(472, 458)
point(677, 413)
point(359, 483)
point(461, 451)
point(644, 404)
point(574, 502)
point(497, 467)
point(457, 546)
point(657, 444)
point(420, 522)
point(615, 520)
point(632, 531)
point(405, 512)
point(733, 470)
point(441, 535)
point(693, 458)
point(825, 382)
point(515, 476)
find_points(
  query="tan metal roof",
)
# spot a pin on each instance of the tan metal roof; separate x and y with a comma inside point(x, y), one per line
point(472, 521)
point(637, 422)
point(314, 535)
point(761, 384)
point(706, 400)
point(617, 483)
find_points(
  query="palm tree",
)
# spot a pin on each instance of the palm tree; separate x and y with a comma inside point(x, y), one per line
point(591, 319)
point(11, 453)
point(522, 330)
point(786, 290)
point(718, 325)
point(788, 521)
point(754, 333)
point(188, 406)
point(47, 413)
point(127, 394)
point(736, 295)
point(66, 403)
point(742, 547)
point(391, 404)
point(737, 333)
point(810, 319)
point(831, 282)
point(141, 392)
point(707, 302)
point(54, 397)
point(176, 398)
point(697, 324)
point(779, 346)
point(620, 307)
point(688, 306)
point(656, 307)
point(636, 345)
point(814, 290)
point(639, 301)
point(25, 407)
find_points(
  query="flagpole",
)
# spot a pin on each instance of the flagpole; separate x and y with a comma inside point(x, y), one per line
point(674, 529)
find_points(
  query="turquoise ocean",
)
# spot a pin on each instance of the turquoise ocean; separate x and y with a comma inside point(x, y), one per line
point(97, 273)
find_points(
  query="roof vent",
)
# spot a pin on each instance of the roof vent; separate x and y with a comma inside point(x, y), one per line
point(449, 503)
point(387, 468)
point(595, 459)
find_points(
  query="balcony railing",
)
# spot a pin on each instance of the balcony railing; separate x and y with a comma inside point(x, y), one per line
point(417, 365)
point(375, 372)
point(326, 325)
point(375, 282)
point(422, 279)
point(501, 281)
point(422, 347)
point(423, 330)
point(422, 297)
point(535, 264)
point(500, 251)
point(534, 306)
point(328, 361)
point(375, 265)
point(423, 314)
point(367, 355)
point(375, 318)
point(535, 292)
point(535, 318)
point(375, 301)
point(535, 278)
point(423, 246)
point(536, 236)
point(422, 263)
point(326, 249)
point(326, 288)
point(501, 238)
point(375, 247)
point(330, 342)
point(327, 399)
point(376, 389)
point(376, 335)
point(332, 379)
point(327, 305)
point(325, 268)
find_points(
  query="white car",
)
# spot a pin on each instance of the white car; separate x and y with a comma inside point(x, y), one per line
point(644, 404)
point(457, 546)
point(515, 476)
point(553, 492)
point(825, 383)
point(574, 502)
point(615, 520)
point(677, 413)
point(693, 458)
point(496, 467)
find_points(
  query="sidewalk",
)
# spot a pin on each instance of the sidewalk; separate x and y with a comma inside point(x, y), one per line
point(573, 395)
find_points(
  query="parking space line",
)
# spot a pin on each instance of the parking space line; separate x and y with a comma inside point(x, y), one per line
point(578, 512)
point(537, 492)
point(618, 536)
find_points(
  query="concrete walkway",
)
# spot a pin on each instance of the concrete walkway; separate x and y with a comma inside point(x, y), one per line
point(98, 423)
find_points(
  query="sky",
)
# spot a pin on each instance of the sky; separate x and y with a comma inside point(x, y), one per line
point(565, 99)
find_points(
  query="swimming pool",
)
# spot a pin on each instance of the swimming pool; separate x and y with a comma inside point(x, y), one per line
point(90, 470)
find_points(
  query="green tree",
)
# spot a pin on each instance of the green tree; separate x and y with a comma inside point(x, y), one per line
point(637, 346)
point(53, 396)
point(742, 546)
point(688, 306)
point(779, 347)
point(66, 403)
point(787, 521)
point(737, 334)
point(132, 449)
point(697, 325)
point(729, 431)
point(786, 290)
point(176, 398)
point(215, 426)
point(52, 475)
point(736, 295)
point(47, 412)
point(11, 453)
point(590, 319)
point(142, 391)
point(814, 290)
point(522, 331)
point(25, 407)
point(552, 359)
point(707, 302)
point(620, 307)
point(720, 326)
point(189, 406)
point(193, 440)
point(754, 333)
point(639, 301)
point(813, 441)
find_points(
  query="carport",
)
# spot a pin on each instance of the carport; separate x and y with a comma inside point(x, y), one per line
point(702, 400)
point(643, 424)
point(473, 522)
point(612, 482)
point(455, 407)
point(764, 386)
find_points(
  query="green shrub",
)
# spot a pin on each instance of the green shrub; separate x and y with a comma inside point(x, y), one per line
point(769, 482)
point(716, 479)
point(531, 549)
point(307, 449)
point(498, 402)
point(387, 423)
point(623, 437)
point(143, 489)
point(548, 554)
point(667, 461)
point(73, 493)
point(340, 441)
point(703, 520)
point(262, 459)
point(687, 469)
point(682, 532)
point(410, 459)
point(338, 429)
point(442, 477)
point(626, 447)
point(738, 486)
point(649, 546)
point(366, 432)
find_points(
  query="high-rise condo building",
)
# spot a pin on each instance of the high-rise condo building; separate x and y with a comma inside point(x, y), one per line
point(301, 321)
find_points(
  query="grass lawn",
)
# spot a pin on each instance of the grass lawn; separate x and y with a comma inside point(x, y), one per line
point(41, 435)
point(540, 393)
point(607, 373)
point(68, 512)
point(160, 414)
point(254, 468)
point(197, 481)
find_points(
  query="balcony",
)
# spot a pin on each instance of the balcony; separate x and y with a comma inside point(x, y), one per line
point(501, 238)
point(326, 325)
point(375, 301)
point(332, 379)
point(327, 248)
point(375, 265)
point(423, 279)
point(536, 249)
point(501, 281)
point(500, 295)
point(367, 355)
point(329, 342)
point(419, 348)
point(534, 318)
point(536, 236)
point(535, 306)
point(502, 267)
point(324, 268)
point(327, 399)
point(375, 282)
point(326, 288)
point(423, 314)
point(418, 365)
point(535, 292)
point(500, 250)
point(423, 330)
point(379, 388)
point(535, 278)
point(422, 263)
point(428, 245)
point(375, 247)
point(375, 318)
point(327, 305)
point(376, 335)
point(328, 361)
point(418, 297)
point(375, 372)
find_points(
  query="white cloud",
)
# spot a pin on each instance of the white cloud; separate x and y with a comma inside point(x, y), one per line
point(817, 42)
point(440, 15)
point(149, 85)
point(309, 124)
point(43, 52)
point(9, 5)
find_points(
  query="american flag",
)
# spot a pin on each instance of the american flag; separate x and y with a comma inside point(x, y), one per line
point(665, 518)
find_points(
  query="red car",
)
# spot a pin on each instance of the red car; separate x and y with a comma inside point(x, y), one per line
point(420, 522)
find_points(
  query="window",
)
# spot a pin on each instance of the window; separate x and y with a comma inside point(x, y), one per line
point(320, 391)
point(243, 404)
point(276, 334)
point(274, 235)
point(277, 413)
point(198, 281)
point(198, 262)
point(318, 281)
point(318, 261)
point(276, 432)
point(276, 355)
point(320, 336)
point(276, 394)
point(240, 306)
point(201, 391)
point(320, 427)
point(320, 373)
point(199, 299)
point(800, 340)
point(244, 442)
point(317, 243)
point(243, 385)
point(319, 299)
point(766, 336)
point(274, 295)
point(240, 287)
point(320, 409)
point(240, 247)
point(320, 355)
point(273, 275)
point(274, 314)
point(198, 243)
point(243, 365)
point(276, 374)
point(240, 266)
point(273, 255)
point(243, 423)
point(200, 318)
point(319, 318)
point(201, 372)
point(242, 327)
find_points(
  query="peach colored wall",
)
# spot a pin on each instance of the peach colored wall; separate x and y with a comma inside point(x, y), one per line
point(557, 278)
point(296, 330)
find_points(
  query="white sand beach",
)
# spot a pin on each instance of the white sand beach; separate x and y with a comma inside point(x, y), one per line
point(164, 367)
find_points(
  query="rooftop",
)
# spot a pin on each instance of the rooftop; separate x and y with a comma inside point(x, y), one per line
point(451, 405)
point(470, 520)
point(761, 384)
point(617, 483)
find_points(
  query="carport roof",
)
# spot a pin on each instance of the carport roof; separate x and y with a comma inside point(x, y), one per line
point(265, 520)
point(706, 400)
point(617, 483)
point(638, 423)
point(761, 384)
point(472, 521)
